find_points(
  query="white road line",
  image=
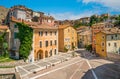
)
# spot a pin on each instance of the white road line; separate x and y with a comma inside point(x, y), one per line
point(76, 70)
point(95, 76)
point(54, 70)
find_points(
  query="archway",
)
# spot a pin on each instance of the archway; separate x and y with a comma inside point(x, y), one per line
point(46, 54)
point(40, 54)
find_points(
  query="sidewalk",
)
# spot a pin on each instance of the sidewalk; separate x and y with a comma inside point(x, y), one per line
point(43, 63)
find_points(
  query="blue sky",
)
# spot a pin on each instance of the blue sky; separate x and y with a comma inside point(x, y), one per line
point(68, 9)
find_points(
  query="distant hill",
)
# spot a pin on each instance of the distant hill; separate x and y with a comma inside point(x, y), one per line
point(3, 13)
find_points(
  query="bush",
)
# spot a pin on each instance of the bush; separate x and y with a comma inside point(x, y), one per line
point(73, 47)
point(88, 47)
point(65, 49)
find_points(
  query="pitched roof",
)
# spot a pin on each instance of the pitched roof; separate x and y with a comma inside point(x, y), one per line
point(34, 25)
point(111, 31)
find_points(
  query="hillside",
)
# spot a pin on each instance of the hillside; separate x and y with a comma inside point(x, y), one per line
point(3, 13)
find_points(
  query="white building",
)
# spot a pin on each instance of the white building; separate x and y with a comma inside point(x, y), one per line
point(113, 43)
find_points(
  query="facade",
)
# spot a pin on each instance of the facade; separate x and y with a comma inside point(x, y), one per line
point(4, 29)
point(85, 20)
point(67, 37)
point(108, 42)
point(97, 28)
point(101, 44)
point(36, 14)
point(19, 12)
point(84, 36)
point(45, 40)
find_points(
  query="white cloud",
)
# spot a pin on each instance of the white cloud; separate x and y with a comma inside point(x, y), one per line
point(72, 16)
point(114, 4)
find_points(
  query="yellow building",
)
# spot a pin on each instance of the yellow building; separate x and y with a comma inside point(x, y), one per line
point(101, 44)
point(45, 40)
point(67, 37)
point(84, 38)
point(108, 42)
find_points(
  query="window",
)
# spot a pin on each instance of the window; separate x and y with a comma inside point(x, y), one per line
point(103, 36)
point(115, 35)
point(40, 33)
point(55, 42)
point(40, 44)
point(46, 43)
point(55, 51)
point(102, 44)
point(15, 35)
point(115, 44)
point(51, 33)
point(111, 37)
point(50, 52)
point(15, 26)
point(55, 33)
point(51, 43)
point(46, 33)
point(102, 50)
point(108, 44)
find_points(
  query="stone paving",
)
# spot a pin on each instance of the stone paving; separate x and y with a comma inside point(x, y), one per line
point(13, 63)
point(43, 63)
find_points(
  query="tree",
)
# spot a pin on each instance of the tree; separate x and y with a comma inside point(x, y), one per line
point(117, 23)
point(3, 45)
point(25, 36)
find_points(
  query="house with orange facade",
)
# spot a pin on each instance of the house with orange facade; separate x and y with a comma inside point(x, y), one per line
point(45, 40)
point(108, 43)
point(97, 28)
point(67, 37)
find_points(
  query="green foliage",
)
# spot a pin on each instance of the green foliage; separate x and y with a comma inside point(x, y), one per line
point(78, 24)
point(3, 45)
point(25, 36)
point(73, 47)
point(117, 23)
point(65, 49)
point(93, 20)
point(5, 59)
point(88, 47)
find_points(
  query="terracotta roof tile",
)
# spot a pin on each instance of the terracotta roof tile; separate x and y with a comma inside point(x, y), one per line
point(35, 25)
point(3, 27)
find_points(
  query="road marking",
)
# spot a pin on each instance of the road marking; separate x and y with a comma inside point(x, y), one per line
point(54, 70)
point(76, 70)
point(95, 76)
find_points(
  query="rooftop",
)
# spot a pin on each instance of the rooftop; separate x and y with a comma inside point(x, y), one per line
point(34, 25)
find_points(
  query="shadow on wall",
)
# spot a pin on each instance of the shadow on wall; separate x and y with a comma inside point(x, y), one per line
point(106, 71)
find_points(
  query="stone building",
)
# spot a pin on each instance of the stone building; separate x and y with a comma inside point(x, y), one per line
point(108, 42)
point(67, 37)
point(84, 36)
point(97, 28)
point(45, 40)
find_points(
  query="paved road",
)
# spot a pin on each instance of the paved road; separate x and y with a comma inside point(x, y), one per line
point(87, 66)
